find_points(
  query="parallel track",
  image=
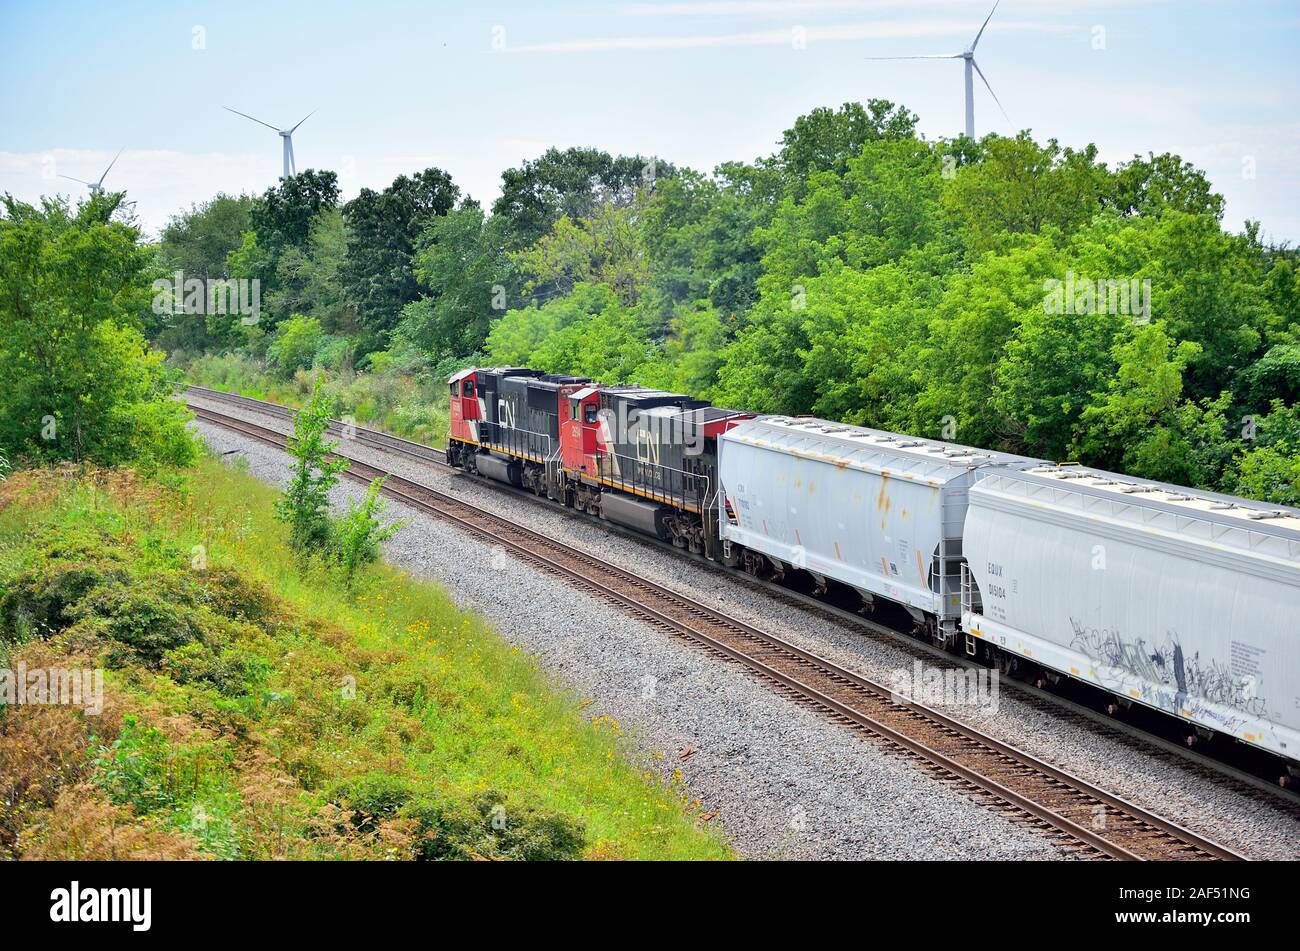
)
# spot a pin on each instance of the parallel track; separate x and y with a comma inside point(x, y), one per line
point(1248, 784)
point(1082, 818)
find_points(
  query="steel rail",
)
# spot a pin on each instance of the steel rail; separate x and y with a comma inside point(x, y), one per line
point(1158, 837)
point(1238, 780)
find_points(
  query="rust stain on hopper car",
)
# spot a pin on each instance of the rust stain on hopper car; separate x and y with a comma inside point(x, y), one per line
point(920, 565)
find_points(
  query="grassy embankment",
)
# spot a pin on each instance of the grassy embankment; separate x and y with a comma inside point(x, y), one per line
point(389, 400)
point(253, 709)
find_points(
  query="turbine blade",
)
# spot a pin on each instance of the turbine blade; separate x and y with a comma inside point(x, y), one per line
point(247, 116)
point(111, 164)
point(990, 88)
point(303, 119)
point(931, 56)
point(79, 180)
point(975, 42)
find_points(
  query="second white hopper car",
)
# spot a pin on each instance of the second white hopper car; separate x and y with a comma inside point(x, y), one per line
point(1187, 602)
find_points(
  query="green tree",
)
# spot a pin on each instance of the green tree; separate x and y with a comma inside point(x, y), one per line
point(520, 332)
point(611, 346)
point(304, 506)
point(691, 354)
point(1275, 375)
point(1130, 426)
point(605, 248)
point(384, 229)
point(283, 216)
point(762, 369)
point(573, 182)
point(1152, 185)
point(199, 241)
point(308, 279)
point(1021, 187)
point(885, 205)
point(1268, 467)
point(698, 232)
point(864, 331)
point(463, 268)
point(975, 321)
point(824, 140)
point(1206, 284)
point(76, 378)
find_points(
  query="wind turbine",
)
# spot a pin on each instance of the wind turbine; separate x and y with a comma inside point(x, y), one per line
point(286, 134)
point(97, 187)
point(969, 57)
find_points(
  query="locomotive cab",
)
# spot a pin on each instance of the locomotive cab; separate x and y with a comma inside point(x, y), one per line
point(579, 431)
point(465, 409)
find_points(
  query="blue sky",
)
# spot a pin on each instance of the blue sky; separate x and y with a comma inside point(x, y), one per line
point(478, 87)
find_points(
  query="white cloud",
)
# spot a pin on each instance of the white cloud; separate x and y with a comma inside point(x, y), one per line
point(811, 8)
point(839, 33)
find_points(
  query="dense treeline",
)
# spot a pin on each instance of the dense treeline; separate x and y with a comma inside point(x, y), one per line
point(1005, 293)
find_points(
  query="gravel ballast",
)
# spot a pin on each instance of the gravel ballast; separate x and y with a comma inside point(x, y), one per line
point(1238, 821)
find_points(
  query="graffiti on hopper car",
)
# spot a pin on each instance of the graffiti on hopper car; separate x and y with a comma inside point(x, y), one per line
point(1184, 681)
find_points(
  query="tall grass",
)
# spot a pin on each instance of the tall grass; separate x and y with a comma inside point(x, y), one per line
point(389, 689)
point(405, 404)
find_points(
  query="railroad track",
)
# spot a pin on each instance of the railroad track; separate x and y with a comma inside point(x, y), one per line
point(337, 428)
point(1082, 818)
point(1227, 776)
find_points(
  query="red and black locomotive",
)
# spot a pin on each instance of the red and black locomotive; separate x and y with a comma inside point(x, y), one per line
point(642, 458)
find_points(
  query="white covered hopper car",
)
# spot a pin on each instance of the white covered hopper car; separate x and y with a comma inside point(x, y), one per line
point(1188, 602)
point(876, 511)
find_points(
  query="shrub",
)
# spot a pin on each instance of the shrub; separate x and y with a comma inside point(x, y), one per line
point(296, 342)
point(304, 507)
point(135, 769)
point(232, 673)
point(449, 828)
point(233, 595)
point(37, 603)
point(183, 784)
point(78, 379)
point(334, 353)
point(138, 617)
point(357, 536)
point(372, 799)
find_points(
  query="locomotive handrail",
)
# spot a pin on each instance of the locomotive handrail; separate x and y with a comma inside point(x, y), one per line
point(686, 490)
point(534, 443)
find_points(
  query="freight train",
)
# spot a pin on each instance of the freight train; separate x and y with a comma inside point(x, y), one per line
point(1183, 601)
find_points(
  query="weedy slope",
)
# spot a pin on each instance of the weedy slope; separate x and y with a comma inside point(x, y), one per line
point(252, 709)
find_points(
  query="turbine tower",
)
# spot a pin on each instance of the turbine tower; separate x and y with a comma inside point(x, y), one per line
point(97, 187)
point(290, 169)
point(972, 67)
